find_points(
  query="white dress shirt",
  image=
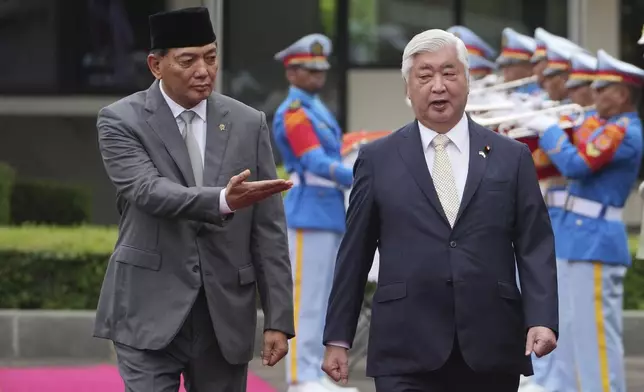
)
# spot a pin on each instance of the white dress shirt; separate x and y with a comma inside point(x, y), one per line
point(458, 152)
point(199, 127)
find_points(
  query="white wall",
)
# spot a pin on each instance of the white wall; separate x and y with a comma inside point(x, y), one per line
point(376, 100)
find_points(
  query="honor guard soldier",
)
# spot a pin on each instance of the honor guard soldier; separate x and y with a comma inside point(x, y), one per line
point(581, 76)
point(549, 371)
point(555, 75)
point(539, 58)
point(480, 55)
point(481, 68)
point(543, 39)
point(592, 235)
point(310, 140)
point(514, 60)
point(475, 45)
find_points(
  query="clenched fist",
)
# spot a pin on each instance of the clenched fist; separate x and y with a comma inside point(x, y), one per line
point(336, 364)
point(541, 341)
point(275, 347)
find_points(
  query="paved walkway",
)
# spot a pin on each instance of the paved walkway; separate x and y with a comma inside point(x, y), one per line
point(275, 376)
point(110, 382)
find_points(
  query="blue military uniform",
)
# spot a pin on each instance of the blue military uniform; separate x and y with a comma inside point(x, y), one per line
point(309, 139)
point(518, 48)
point(554, 371)
point(603, 167)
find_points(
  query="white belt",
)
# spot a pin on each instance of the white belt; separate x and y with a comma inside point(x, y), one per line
point(556, 198)
point(312, 180)
point(593, 209)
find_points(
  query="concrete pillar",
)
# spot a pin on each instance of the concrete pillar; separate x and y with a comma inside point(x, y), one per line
point(599, 25)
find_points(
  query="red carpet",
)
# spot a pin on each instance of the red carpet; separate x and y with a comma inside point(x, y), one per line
point(103, 378)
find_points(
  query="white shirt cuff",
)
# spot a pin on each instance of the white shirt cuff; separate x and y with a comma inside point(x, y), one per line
point(223, 206)
point(339, 344)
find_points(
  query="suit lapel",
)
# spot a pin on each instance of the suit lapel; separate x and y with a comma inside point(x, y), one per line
point(164, 124)
point(411, 150)
point(217, 133)
point(477, 165)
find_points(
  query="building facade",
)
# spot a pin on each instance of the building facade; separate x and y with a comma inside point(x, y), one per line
point(61, 67)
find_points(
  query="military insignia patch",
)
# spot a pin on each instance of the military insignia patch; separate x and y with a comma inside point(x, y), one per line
point(317, 49)
point(623, 122)
point(592, 151)
point(603, 142)
point(296, 104)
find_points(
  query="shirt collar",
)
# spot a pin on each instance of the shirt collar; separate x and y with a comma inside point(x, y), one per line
point(199, 109)
point(458, 135)
point(303, 96)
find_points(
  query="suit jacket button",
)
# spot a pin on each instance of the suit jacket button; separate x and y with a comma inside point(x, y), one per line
point(452, 244)
point(195, 268)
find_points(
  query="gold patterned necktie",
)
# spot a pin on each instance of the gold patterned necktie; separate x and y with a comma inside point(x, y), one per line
point(196, 160)
point(443, 178)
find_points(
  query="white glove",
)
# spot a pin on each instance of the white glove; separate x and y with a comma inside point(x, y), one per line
point(489, 80)
point(542, 122)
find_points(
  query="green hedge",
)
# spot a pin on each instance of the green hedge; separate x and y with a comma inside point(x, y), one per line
point(48, 202)
point(53, 267)
point(44, 267)
point(281, 173)
point(7, 178)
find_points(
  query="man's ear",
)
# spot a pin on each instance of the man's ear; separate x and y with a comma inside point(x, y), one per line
point(154, 63)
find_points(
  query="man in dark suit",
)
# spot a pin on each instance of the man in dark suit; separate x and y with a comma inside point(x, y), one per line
point(452, 208)
point(196, 240)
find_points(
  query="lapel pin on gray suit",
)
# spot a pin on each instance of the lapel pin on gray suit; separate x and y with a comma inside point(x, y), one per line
point(202, 224)
point(452, 223)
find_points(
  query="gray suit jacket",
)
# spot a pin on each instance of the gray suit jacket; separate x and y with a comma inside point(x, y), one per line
point(171, 233)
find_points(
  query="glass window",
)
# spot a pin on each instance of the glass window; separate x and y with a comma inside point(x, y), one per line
point(251, 40)
point(380, 29)
point(100, 47)
point(488, 18)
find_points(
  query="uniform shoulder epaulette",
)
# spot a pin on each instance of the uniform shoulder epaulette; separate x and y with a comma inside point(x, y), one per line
point(295, 104)
point(623, 122)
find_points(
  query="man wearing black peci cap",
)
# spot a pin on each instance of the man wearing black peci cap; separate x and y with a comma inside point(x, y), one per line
point(202, 223)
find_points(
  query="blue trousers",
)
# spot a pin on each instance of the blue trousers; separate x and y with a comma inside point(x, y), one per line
point(556, 370)
point(590, 354)
point(313, 255)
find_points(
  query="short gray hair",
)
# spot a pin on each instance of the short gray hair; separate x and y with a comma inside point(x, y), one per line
point(431, 41)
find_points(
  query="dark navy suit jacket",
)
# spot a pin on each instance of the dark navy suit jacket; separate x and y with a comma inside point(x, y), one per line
point(436, 282)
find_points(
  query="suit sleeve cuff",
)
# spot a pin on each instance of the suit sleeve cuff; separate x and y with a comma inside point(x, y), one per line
point(339, 344)
point(223, 205)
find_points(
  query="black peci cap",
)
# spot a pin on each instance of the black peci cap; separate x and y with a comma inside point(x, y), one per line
point(182, 28)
